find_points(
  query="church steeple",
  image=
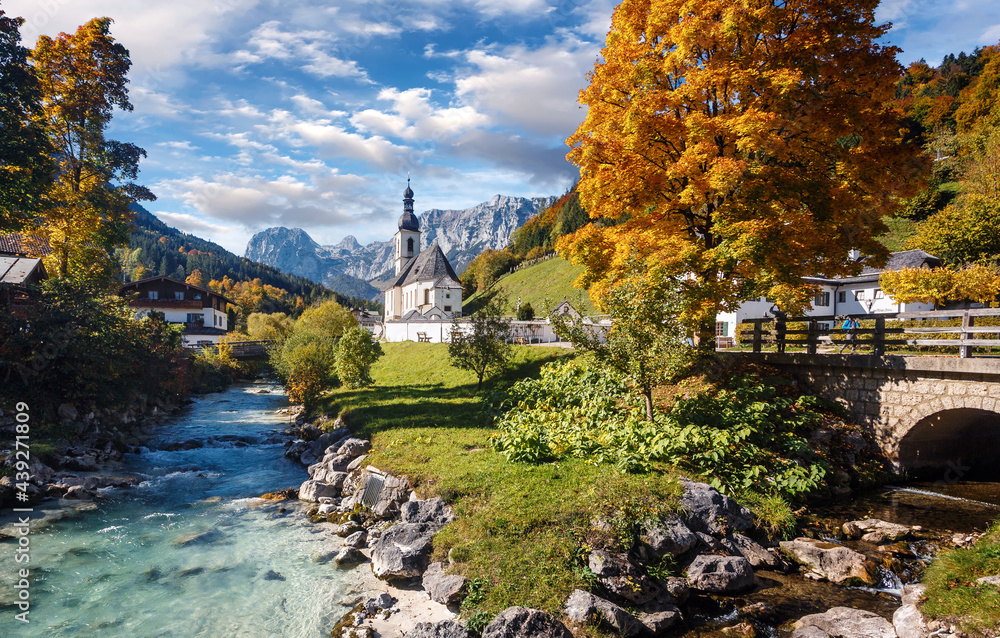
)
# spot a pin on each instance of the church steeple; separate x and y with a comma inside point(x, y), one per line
point(408, 235)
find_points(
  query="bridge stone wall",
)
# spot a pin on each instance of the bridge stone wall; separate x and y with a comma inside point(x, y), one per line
point(891, 395)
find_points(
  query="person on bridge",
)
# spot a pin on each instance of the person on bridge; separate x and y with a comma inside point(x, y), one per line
point(851, 325)
point(780, 326)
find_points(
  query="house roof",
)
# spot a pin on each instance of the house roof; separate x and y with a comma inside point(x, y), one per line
point(135, 284)
point(431, 264)
point(897, 261)
point(16, 270)
point(24, 244)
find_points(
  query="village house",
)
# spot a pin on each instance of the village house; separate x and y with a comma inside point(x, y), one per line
point(837, 296)
point(201, 311)
point(425, 286)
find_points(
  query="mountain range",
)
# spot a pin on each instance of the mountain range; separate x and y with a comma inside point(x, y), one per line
point(360, 271)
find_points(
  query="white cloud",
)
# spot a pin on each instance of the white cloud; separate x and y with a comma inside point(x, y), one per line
point(270, 41)
point(412, 116)
point(534, 89)
point(191, 224)
point(179, 146)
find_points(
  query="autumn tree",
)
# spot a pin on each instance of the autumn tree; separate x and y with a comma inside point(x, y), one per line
point(83, 78)
point(742, 144)
point(25, 164)
point(976, 283)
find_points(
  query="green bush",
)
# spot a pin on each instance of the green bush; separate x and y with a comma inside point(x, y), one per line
point(356, 353)
point(746, 438)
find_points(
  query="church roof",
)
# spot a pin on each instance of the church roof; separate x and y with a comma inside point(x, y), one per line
point(408, 221)
point(431, 264)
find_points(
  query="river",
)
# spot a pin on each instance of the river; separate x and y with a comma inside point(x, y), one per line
point(191, 551)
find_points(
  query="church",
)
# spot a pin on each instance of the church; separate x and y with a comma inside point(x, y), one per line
point(426, 286)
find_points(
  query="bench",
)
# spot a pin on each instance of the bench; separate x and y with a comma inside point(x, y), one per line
point(724, 342)
point(423, 337)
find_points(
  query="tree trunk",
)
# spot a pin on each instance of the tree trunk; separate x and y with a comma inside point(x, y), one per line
point(648, 395)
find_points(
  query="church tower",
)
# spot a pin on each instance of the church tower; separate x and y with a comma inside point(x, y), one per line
point(408, 236)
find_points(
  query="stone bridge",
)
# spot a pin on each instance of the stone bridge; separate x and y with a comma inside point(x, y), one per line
point(928, 413)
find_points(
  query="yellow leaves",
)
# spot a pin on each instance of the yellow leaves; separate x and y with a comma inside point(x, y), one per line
point(977, 283)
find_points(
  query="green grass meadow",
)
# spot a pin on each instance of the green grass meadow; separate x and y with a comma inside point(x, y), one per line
point(522, 529)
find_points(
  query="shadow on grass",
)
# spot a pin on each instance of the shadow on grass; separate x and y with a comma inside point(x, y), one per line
point(382, 408)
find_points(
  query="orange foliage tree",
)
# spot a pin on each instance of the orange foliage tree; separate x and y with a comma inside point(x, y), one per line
point(83, 77)
point(742, 144)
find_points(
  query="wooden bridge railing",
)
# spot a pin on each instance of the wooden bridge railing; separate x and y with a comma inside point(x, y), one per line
point(881, 335)
point(239, 349)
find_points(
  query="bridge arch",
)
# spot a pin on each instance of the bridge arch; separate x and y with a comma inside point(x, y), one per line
point(956, 435)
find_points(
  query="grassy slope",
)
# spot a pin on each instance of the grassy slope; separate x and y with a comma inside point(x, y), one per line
point(550, 280)
point(952, 591)
point(520, 526)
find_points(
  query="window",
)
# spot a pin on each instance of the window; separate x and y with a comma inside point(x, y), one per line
point(822, 300)
point(427, 296)
point(195, 317)
point(859, 295)
point(879, 294)
point(409, 245)
point(841, 296)
point(152, 294)
point(447, 296)
point(447, 308)
point(179, 296)
point(721, 328)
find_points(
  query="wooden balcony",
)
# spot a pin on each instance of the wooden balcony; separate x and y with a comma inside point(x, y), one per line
point(172, 304)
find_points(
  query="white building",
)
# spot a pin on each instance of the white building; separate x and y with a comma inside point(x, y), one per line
point(201, 311)
point(837, 296)
point(426, 285)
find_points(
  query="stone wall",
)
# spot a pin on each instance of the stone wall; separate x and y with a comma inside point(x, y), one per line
point(893, 395)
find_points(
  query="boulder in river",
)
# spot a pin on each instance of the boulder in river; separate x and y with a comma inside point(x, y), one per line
point(712, 512)
point(584, 607)
point(312, 491)
point(758, 555)
point(876, 530)
point(720, 574)
point(843, 622)
point(522, 622)
point(349, 556)
point(834, 562)
point(660, 622)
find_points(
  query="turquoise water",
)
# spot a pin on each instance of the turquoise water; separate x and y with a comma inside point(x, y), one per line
point(191, 551)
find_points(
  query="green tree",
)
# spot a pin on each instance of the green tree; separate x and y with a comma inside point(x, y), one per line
point(356, 352)
point(479, 344)
point(25, 162)
point(525, 312)
point(305, 364)
point(83, 77)
point(645, 342)
point(262, 326)
point(329, 319)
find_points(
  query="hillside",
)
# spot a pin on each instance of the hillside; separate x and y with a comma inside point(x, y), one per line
point(157, 249)
point(543, 285)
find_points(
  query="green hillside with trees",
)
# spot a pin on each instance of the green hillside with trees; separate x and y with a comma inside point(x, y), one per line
point(542, 285)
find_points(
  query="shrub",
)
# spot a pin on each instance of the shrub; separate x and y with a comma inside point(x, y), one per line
point(356, 353)
point(746, 438)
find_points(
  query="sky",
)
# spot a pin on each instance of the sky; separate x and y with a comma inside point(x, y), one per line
point(310, 114)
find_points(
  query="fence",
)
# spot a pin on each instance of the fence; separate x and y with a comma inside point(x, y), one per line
point(888, 332)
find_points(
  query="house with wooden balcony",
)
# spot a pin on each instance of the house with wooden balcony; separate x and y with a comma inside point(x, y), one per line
point(201, 311)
